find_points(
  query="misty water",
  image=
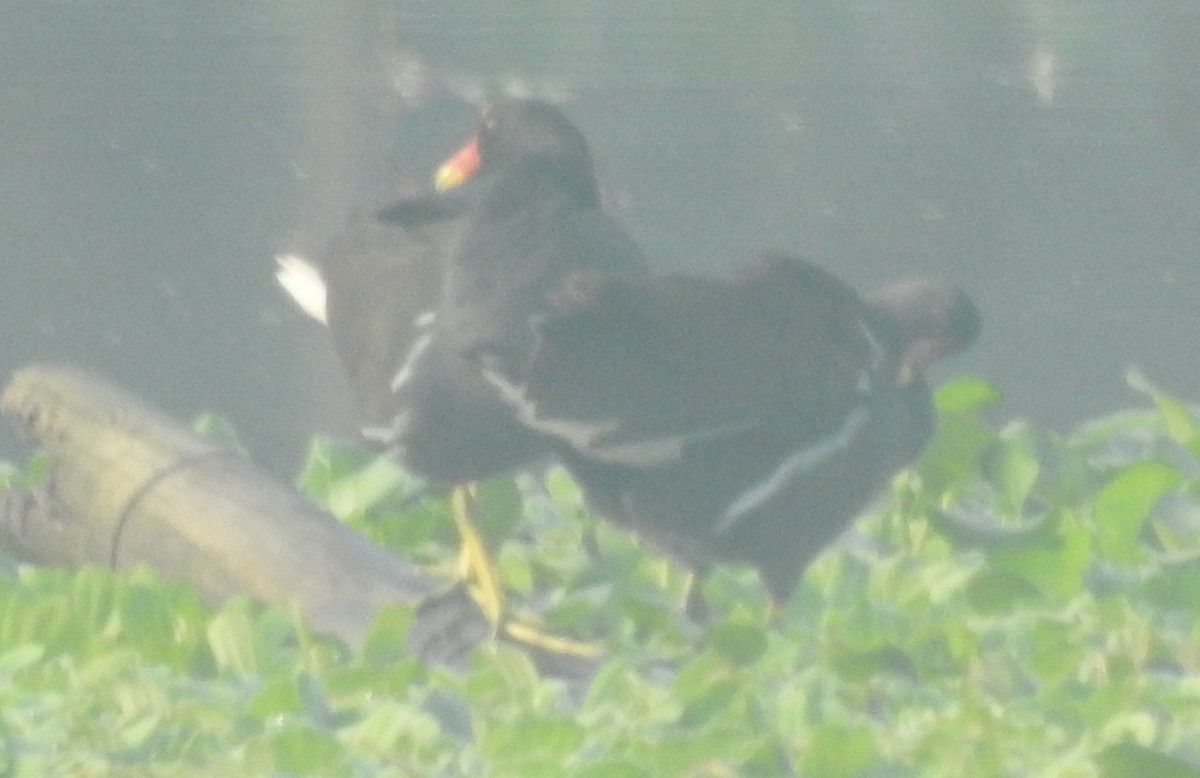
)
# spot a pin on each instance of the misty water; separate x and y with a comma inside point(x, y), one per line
point(1043, 154)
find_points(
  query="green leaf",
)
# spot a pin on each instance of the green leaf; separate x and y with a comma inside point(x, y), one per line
point(1180, 423)
point(562, 488)
point(1124, 504)
point(741, 644)
point(348, 479)
point(1130, 760)
point(531, 741)
point(356, 492)
point(33, 474)
point(1174, 587)
point(839, 751)
point(998, 591)
point(611, 768)
point(1017, 466)
point(387, 636)
point(280, 696)
point(18, 658)
point(496, 509)
point(233, 638)
point(954, 453)
point(965, 394)
point(1056, 567)
point(303, 750)
point(217, 429)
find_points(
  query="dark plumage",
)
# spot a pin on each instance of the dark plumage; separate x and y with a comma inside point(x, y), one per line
point(379, 278)
point(401, 322)
point(745, 420)
point(537, 219)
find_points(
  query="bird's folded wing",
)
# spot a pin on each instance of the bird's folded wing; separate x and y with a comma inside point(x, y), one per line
point(380, 280)
point(635, 371)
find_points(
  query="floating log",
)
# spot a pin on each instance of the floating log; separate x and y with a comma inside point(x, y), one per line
point(125, 485)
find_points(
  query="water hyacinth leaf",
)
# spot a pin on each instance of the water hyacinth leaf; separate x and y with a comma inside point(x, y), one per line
point(31, 475)
point(741, 644)
point(392, 726)
point(317, 474)
point(1117, 440)
point(996, 591)
point(358, 491)
point(233, 640)
point(698, 675)
point(349, 480)
point(498, 506)
point(306, 750)
point(387, 635)
point(611, 768)
point(531, 741)
point(1130, 760)
point(965, 394)
point(1175, 587)
point(562, 488)
point(713, 751)
point(45, 620)
point(18, 658)
point(1016, 465)
point(95, 595)
point(1124, 504)
point(280, 697)
point(955, 452)
point(149, 623)
point(1178, 420)
point(218, 430)
point(1055, 652)
point(1056, 567)
point(840, 751)
point(515, 570)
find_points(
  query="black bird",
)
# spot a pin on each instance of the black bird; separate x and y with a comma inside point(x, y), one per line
point(745, 420)
point(536, 220)
point(400, 332)
point(407, 320)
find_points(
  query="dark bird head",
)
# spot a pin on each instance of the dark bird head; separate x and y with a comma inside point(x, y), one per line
point(514, 133)
point(926, 321)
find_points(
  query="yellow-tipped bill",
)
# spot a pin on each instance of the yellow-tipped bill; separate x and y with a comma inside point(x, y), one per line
point(458, 168)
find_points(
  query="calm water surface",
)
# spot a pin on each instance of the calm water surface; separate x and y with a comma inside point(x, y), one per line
point(1042, 154)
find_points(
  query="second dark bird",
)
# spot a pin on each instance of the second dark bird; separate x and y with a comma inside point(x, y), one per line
point(734, 421)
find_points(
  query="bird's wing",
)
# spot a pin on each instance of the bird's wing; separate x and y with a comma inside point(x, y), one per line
point(634, 371)
point(383, 278)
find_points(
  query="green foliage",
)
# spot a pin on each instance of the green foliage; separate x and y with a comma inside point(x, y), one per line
point(1022, 604)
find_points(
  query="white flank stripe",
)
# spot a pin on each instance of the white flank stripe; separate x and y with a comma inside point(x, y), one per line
point(878, 357)
point(799, 462)
point(653, 452)
point(405, 371)
point(587, 437)
point(383, 435)
point(578, 435)
point(511, 393)
point(425, 319)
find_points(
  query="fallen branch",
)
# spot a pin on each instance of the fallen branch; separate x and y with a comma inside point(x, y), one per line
point(127, 486)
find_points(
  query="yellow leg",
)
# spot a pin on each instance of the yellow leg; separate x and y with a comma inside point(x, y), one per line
point(474, 561)
point(475, 566)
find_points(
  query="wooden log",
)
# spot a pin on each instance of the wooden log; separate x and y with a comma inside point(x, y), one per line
point(126, 486)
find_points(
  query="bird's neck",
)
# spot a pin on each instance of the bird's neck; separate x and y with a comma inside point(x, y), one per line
point(525, 184)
